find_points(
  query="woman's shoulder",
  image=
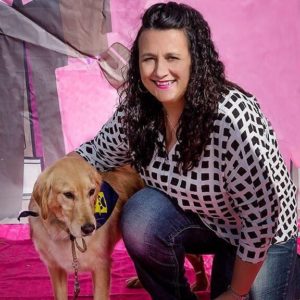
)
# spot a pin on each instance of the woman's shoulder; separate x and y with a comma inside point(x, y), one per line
point(234, 97)
point(118, 114)
point(236, 102)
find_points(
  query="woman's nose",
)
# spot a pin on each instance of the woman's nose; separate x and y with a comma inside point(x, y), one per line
point(161, 68)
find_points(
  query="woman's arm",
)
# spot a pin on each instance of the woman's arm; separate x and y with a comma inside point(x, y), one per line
point(251, 187)
point(241, 284)
point(109, 148)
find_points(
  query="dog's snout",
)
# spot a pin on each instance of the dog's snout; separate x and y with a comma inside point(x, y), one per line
point(88, 228)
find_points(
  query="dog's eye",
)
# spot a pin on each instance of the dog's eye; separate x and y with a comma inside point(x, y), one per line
point(69, 195)
point(91, 192)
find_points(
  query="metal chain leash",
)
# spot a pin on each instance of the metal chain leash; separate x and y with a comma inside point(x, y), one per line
point(75, 263)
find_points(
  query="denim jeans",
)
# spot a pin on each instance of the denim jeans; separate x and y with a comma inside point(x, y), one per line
point(157, 234)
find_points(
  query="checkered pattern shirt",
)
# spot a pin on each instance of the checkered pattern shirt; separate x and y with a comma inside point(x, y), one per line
point(241, 188)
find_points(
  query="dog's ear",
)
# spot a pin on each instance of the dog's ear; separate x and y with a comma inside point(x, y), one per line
point(94, 175)
point(41, 192)
point(97, 177)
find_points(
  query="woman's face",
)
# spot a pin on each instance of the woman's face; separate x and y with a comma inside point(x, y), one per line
point(164, 62)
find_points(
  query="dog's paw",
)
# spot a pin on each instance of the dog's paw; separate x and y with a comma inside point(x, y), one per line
point(133, 283)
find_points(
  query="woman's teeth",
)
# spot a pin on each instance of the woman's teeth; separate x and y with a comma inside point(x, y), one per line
point(164, 84)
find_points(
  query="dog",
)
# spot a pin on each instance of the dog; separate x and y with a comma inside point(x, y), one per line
point(63, 224)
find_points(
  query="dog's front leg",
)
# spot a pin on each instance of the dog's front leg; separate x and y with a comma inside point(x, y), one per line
point(101, 281)
point(59, 283)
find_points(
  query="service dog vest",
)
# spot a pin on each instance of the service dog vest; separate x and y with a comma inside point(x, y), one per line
point(105, 203)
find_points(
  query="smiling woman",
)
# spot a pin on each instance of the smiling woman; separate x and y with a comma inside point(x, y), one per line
point(206, 153)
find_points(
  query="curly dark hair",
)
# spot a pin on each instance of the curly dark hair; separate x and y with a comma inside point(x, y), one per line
point(144, 116)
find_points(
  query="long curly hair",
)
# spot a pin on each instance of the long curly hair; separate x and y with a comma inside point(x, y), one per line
point(144, 115)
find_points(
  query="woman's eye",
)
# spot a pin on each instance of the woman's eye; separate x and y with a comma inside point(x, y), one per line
point(147, 59)
point(172, 58)
point(69, 195)
point(91, 192)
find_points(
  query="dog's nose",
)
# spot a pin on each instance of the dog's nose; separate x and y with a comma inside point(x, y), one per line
point(87, 228)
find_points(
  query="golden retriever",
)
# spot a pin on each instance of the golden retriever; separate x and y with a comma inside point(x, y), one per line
point(64, 197)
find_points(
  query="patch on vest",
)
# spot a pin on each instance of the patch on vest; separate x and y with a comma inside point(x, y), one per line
point(105, 203)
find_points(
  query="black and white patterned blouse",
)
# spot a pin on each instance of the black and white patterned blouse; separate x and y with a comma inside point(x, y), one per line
point(241, 188)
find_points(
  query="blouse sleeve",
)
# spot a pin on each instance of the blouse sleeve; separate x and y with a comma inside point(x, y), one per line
point(250, 177)
point(109, 148)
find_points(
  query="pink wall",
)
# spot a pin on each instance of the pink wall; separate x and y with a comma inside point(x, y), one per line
point(258, 41)
point(86, 101)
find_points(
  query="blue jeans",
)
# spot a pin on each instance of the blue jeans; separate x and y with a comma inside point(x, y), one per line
point(157, 234)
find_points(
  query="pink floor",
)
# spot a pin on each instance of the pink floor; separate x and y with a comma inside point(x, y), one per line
point(23, 275)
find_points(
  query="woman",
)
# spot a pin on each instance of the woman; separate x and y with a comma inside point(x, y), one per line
point(216, 182)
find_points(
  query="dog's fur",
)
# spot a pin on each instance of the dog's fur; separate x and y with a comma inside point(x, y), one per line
point(64, 196)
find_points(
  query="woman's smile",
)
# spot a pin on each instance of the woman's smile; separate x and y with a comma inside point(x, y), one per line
point(164, 85)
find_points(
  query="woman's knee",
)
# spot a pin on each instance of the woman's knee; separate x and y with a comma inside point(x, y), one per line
point(144, 221)
point(132, 225)
point(138, 219)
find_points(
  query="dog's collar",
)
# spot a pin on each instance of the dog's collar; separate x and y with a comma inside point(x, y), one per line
point(27, 213)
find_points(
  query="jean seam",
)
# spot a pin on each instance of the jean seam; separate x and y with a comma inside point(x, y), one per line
point(177, 274)
point(172, 237)
point(284, 294)
point(171, 244)
point(176, 280)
